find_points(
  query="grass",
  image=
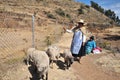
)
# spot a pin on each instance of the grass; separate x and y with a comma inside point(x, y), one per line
point(15, 60)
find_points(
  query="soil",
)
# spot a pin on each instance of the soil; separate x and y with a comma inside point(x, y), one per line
point(104, 66)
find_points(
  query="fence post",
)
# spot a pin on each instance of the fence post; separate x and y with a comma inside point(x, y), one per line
point(33, 35)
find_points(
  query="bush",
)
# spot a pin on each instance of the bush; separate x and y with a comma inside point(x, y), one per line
point(87, 6)
point(48, 41)
point(68, 16)
point(60, 12)
point(80, 11)
point(104, 44)
point(49, 15)
point(38, 0)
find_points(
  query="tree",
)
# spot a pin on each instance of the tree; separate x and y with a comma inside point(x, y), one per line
point(111, 14)
point(94, 5)
point(97, 7)
point(117, 20)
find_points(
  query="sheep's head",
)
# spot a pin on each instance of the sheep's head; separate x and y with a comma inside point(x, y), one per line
point(71, 60)
point(58, 56)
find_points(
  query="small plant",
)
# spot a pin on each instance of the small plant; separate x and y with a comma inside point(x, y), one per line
point(49, 15)
point(14, 60)
point(104, 44)
point(111, 22)
point(87, 6)
point(60, 12)
point(68, 16)
point(80, 11)
point(38, 0)
point(24, 39)
point(48, 41)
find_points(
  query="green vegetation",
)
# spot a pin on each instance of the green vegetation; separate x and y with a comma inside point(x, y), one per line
point(105, 45)
point(83, 8)
point(111, 14)
point(68, 16)
point(49, 15)
point(97, 7)
point(48, 41)
point(87, 6)
point(14, 60)
point(60, 12)
point(80, 11)
point(38, 0)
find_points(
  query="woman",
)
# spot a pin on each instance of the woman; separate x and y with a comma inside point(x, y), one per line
point(90, 45)
point(77, 47)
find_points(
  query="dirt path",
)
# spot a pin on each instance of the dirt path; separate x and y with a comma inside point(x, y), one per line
point(87, 70)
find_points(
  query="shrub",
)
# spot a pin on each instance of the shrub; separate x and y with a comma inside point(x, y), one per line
point(87, 6)
point(80, 11)
point(68, 16)
point(48, 41)
point(38, 0)
point(49, 15)
point(104, 44)
point(60, 12)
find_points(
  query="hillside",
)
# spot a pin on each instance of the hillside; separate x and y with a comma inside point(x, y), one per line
point(16, 35)
point(50, 16)
point(47, 11)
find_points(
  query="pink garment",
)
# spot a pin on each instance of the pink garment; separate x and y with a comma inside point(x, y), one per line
point(97, 50)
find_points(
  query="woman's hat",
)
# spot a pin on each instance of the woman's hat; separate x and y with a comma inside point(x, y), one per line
point(81, 21)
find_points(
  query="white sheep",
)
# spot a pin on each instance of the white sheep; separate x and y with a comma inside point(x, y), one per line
point(53, 53)
point(30, 55)
point(41, 60)
point(42, 63)
point(68, 58)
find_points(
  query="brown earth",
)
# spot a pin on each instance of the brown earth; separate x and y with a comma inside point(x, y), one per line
point(16, 34)
point(104, 66)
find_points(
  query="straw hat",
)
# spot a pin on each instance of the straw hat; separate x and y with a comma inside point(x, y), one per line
point(81, 21)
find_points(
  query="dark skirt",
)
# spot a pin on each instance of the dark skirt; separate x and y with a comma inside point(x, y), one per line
point(81, 52)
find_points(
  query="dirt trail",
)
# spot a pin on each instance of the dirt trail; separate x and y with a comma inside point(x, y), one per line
point(87, 70)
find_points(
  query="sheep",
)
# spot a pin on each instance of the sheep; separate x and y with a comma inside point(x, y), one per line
point(41, 61)
point(29, 55)
point(68, 58)
point(53, 53)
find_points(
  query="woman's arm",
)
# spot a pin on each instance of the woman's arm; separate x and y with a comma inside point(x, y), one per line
point(70, 30)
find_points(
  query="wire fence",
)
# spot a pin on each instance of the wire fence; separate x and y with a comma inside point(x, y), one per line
point(14, 36)
point(19, 31)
